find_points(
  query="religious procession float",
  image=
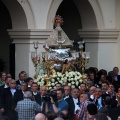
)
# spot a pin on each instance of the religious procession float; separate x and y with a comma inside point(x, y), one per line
point(59, 63)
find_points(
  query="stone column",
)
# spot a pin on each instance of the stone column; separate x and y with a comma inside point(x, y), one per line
point(103, 47)
point(23, 40)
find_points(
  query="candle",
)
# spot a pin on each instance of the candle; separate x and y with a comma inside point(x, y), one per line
point(35, 44)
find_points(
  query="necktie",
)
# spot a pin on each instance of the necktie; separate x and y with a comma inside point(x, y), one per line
point(97, 104)
point(96, 101)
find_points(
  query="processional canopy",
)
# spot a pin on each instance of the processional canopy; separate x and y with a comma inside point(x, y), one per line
point(59, 60)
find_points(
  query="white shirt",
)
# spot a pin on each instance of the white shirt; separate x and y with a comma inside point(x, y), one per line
point(99, 103)
point(34, 93)
point(66, 97)
point(13, 91)
point(6, 86)
point(21, 81)
point(77, 107)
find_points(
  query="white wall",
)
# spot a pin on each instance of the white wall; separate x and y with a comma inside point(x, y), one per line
point(40, 9)
point(102, 55)
point(118, 27)
point(107, 56)
point(93, 49)
point(21, 58)
point(108, 12)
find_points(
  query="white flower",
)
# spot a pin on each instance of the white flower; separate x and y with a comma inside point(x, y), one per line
point(39, 83)
point(67, 75)
point(61, 81)
point(56, 82)
point(73, 82)
point(54, 76)
point(45, 75)
point(77, 83)
point(63, 84)
point(66, 72)
point(68, 79)
point(50, 87)
point(73, 77)
point(36, 80)
point(80, 80)
point(65, 80)
point(72, 86)
point(52, 84)
point(53, 80)
point(69, 84)
point(42, 82)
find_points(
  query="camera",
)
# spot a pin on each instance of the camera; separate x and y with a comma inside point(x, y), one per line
point(47, 96)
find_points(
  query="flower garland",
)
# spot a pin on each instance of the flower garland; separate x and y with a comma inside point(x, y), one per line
point(72, 79)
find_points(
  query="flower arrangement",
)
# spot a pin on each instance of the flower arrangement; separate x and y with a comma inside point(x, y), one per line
point(72, 79)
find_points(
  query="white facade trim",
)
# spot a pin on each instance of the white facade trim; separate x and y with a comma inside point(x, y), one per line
point(101, 35)
point(19, 35)
point(52, 11)
point(98, 13)
point(28, 12)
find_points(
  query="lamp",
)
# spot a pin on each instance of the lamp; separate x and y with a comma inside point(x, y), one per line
point(81, 58)
point(35, 57)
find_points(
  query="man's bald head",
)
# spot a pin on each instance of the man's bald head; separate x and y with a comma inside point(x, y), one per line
point(40, 116)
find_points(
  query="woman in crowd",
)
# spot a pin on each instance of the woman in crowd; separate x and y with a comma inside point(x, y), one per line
point(2, 78)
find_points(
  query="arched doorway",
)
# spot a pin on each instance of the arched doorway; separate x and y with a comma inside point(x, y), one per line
point(81, 17)
point(13, 18)
point(89, 12)
point(5, 41)
point(72, 20)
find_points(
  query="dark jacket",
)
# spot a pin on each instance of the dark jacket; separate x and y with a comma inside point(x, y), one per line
point(71, 107)
point(9, 101)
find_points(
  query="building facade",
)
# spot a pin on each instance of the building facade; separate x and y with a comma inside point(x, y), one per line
point(97, 22)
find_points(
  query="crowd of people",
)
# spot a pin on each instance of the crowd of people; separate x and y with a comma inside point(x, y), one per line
point(98, 98)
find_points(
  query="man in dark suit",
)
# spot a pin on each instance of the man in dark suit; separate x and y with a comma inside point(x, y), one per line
point(6, 85)
point(98, 98)
point(23, 88)
point(73, 103)
point(35, 92)
point(114, 78)
point(67, 90)
point(22, 78)
point(38, 95)
point(9, 98)
point(29, 81)
point(43, 91)
point(117, 77)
